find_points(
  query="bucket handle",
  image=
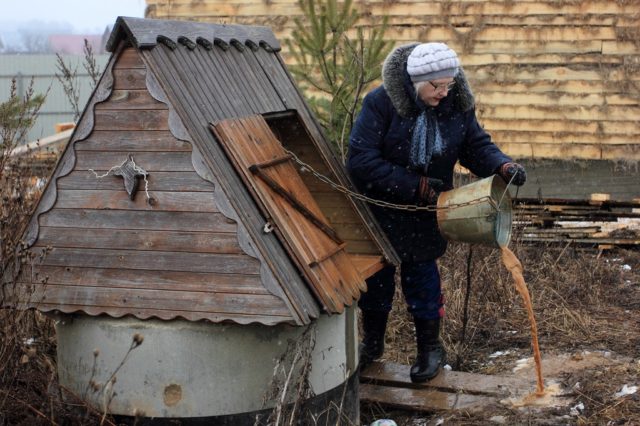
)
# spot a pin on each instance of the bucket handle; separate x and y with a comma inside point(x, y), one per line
point(505, 192)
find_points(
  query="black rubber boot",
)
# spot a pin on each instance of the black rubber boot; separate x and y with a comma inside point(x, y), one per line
point(374, 324)
point(431, 354)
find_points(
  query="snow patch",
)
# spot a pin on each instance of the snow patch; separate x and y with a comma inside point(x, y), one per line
point(384, 422)
point(626, 390)
point(577, 409)
point(499, 353)
point(521, 364)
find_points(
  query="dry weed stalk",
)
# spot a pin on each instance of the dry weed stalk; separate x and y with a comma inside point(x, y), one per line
point(29, 391)
point(25, 336)
point(68, 77)
point(107, 390)
point(290, 381)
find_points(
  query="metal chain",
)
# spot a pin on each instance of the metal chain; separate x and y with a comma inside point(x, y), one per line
point(409, 207)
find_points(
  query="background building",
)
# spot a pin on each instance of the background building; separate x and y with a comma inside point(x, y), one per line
point(554, 80)
point(43, 69)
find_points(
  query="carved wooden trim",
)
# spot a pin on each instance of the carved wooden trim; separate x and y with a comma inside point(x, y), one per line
point(68, 158)
point(95, 311)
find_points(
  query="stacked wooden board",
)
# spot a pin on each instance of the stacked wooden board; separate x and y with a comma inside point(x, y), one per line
point(553, 78)
point(578, 221)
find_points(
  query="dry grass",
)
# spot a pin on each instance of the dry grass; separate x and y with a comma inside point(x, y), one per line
point(596, 388)
point(573, 291)
point(29, 391)
point(583, 300)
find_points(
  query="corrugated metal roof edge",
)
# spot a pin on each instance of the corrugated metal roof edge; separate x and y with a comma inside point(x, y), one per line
point(147, 33)
point(171, 315)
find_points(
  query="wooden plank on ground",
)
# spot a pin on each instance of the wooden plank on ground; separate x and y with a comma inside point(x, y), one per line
point(564, 230)
point(397, 375)
point(553, 138)
point(526, 47)
point(428, 400)
point(630, 152)
point(607, 241)
point(224, 8)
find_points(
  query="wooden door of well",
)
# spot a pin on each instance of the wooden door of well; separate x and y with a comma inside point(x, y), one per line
point(271, 175)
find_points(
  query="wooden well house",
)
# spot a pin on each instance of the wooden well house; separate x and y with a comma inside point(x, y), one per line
point(179, 217)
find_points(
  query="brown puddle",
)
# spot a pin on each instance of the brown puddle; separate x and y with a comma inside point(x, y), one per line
point(550, 397)
point(514, 266)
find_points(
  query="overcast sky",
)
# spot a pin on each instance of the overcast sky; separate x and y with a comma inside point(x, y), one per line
point(79, 16)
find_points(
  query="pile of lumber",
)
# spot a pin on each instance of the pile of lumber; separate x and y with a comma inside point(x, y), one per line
point(597, 221)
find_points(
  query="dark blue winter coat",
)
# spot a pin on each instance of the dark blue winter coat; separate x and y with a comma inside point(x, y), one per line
point(379, 150)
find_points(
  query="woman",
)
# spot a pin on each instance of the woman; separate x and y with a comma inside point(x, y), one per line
point(410, 133)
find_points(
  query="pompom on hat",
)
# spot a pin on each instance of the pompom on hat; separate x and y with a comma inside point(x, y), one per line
point(431, 61)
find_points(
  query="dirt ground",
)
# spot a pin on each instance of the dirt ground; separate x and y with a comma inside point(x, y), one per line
point(587, 306)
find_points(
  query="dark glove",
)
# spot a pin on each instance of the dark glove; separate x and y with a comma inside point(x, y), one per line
point(429, 190)
point(515, 171)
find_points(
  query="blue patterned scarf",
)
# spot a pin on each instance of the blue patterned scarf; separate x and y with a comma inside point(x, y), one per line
point(426, 140)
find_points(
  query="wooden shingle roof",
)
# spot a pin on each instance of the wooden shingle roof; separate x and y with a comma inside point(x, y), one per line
point(193, 241)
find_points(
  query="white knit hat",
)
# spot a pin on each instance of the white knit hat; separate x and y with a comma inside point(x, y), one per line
point(431, 61)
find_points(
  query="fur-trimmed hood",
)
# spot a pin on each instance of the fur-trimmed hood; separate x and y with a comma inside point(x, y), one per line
point(398, 84)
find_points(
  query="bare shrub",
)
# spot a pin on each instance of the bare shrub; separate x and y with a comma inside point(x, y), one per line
point(29, 390)
point(68, 77)
point(25, 336)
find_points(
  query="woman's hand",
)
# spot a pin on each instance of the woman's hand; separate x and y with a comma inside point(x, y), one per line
point(514, 173)
point(429, 191)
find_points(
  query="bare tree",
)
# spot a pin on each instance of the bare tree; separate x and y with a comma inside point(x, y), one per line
point(34, 41)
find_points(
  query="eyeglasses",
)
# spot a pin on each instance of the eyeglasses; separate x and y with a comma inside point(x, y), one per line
point(443, 87)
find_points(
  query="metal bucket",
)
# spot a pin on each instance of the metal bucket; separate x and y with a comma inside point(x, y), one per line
point(479, 212)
